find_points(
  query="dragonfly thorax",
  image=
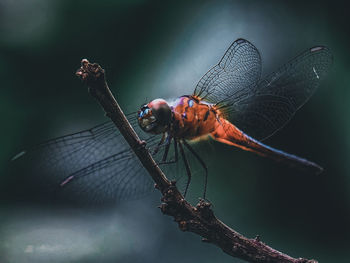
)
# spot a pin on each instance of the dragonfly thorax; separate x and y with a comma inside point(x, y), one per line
point(155, 116)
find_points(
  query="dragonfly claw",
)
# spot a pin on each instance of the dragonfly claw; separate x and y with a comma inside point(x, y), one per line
point(203, 203)
point(142, 143)
point(204, 208)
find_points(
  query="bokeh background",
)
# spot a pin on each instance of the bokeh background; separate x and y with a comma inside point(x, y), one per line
point(161, 49)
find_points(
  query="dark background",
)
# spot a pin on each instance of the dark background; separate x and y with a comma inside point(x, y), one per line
point(161, 49)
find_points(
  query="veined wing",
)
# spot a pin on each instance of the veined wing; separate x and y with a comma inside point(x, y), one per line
point(234, 77)
point(277, 97)
point(91, 166)
point(261, 107)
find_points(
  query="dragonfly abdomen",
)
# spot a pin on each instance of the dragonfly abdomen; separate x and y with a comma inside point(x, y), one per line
point(228, 133)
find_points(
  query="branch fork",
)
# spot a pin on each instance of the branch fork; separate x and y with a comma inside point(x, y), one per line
point(200, 219)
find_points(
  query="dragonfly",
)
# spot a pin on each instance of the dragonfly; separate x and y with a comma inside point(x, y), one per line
point(231, 104)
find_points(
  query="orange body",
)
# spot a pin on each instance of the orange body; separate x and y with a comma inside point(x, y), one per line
point(194, 118)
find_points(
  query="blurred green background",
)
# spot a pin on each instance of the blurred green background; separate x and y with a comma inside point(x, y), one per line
point(161, 49)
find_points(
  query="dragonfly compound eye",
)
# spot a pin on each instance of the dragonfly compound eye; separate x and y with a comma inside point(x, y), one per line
point(162, 114)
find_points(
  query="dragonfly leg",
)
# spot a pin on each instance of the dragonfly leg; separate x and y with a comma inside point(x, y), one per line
point(176, 155)
point(176, 151)
point(159, 144)
point(187, 166)
point(189, 147)
point(167, 147)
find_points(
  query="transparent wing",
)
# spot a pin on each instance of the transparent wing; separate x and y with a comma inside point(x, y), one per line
point(91, 166)
point(261, 107)
point(235, 76)
point(274, 101)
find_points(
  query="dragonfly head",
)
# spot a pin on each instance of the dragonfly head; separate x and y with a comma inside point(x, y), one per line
point(155, 116)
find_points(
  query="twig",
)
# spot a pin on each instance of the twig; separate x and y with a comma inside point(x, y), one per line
point(200, 219)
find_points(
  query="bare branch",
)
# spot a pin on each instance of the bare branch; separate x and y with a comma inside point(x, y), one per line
point(200, 219)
